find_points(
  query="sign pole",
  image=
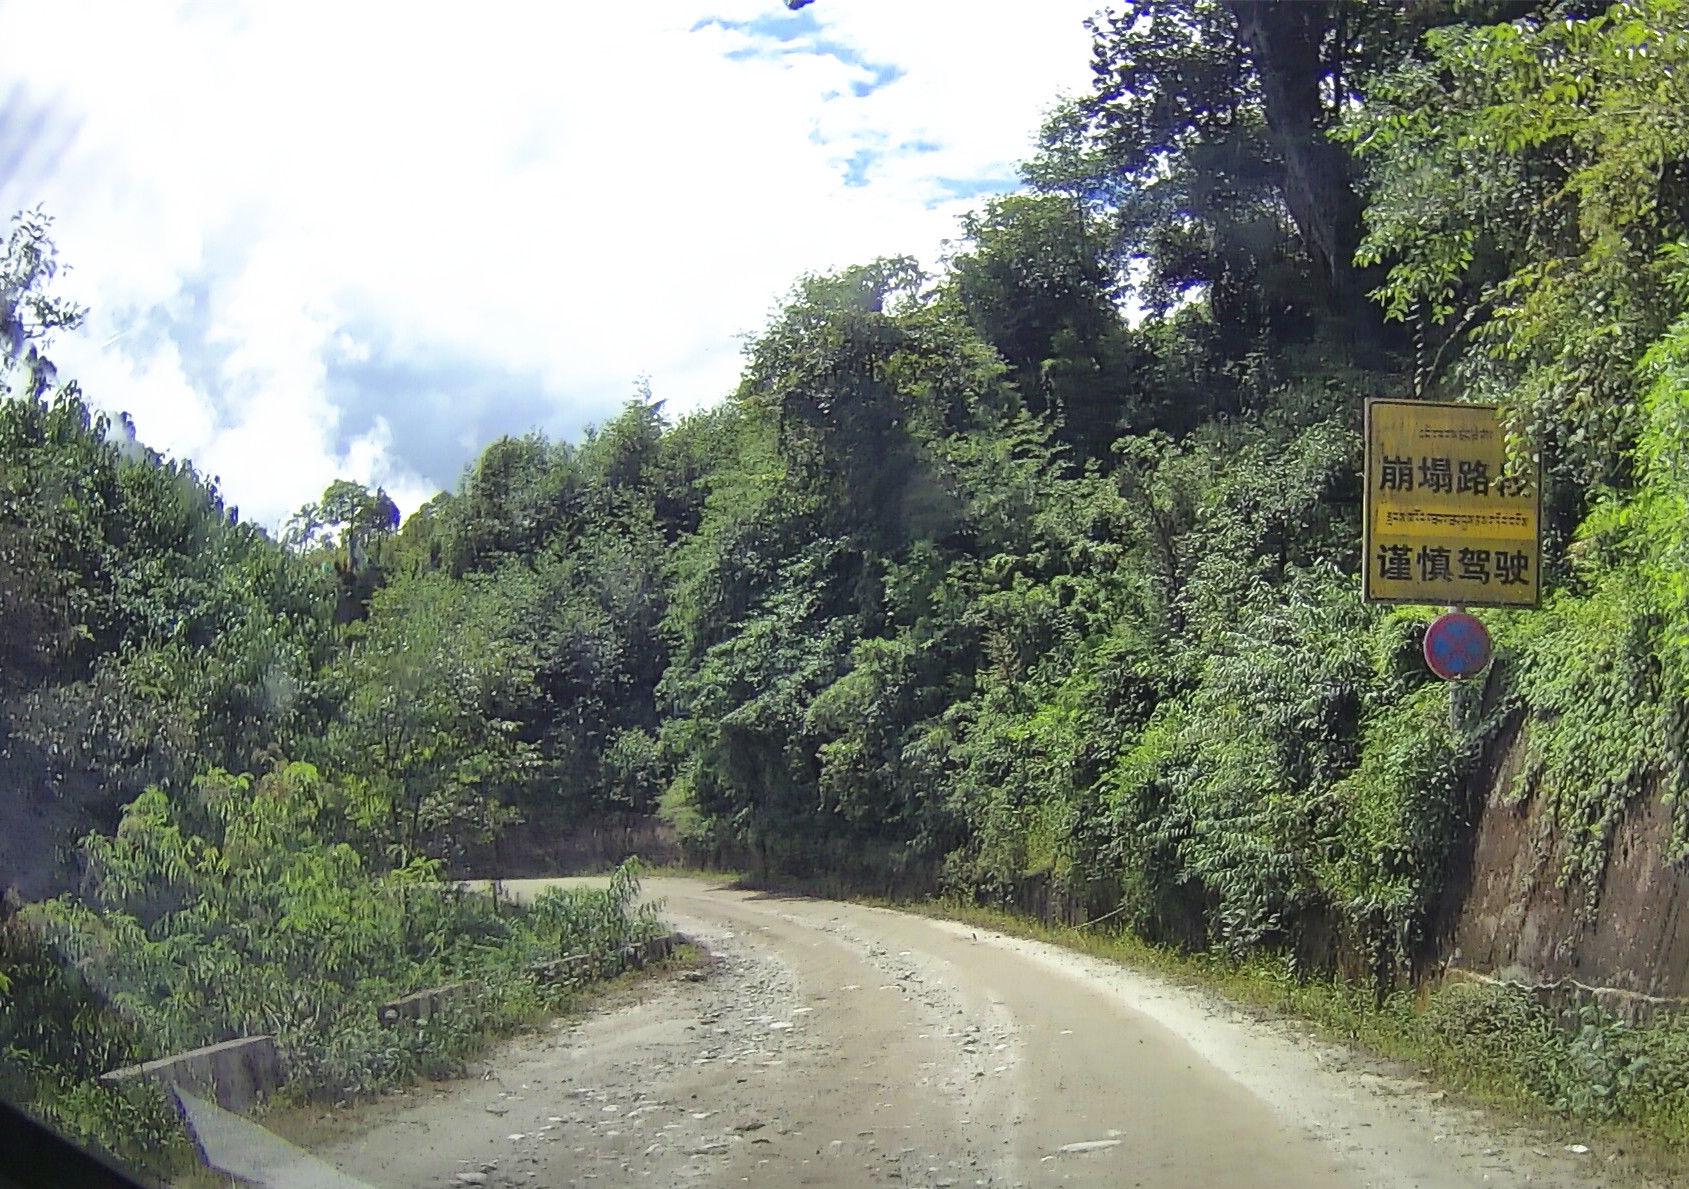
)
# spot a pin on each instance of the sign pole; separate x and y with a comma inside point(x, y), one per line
point(1455, 726)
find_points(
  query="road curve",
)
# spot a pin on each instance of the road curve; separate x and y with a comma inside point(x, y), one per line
point(840, 1045)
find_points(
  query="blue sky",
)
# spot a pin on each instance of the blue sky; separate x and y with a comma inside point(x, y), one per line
point(317, 242)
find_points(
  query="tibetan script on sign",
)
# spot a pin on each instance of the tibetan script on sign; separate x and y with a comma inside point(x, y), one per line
point(1449, 517)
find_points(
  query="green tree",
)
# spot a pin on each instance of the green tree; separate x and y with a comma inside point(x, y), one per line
point(30, 314)
point(151, 632)
point(1038, 283)
point(427, 691)
point(1526, 178)
point(354, 529)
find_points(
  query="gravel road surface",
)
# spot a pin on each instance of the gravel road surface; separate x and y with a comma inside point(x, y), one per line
point(831, 1044)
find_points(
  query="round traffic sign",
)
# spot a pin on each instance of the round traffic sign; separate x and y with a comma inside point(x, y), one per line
point(1456, 646)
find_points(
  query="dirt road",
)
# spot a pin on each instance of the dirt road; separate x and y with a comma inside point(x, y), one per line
point(836, 1045)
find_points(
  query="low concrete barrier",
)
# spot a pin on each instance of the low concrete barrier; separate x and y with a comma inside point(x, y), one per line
point(1565, 996)
point(580, 968)
point(420, 1005)
point(653, 949)
point(577, 968)
point(253, 1155)
point(572, 970)
point(236, 1074)
point(665, 946)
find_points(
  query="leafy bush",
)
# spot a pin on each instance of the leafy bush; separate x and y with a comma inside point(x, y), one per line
point(1591, 1066)
point(243, 909)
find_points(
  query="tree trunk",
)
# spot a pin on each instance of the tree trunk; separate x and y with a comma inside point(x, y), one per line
point(1284, 38)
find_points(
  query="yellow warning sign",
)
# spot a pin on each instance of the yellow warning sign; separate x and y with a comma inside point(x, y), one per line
point(1448, 519)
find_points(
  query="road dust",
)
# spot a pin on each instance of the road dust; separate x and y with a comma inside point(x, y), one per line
point(830, 1044)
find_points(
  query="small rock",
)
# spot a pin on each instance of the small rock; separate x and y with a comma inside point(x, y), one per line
point(1578, 1149)
point(471, 1178)
point(1089, 1145)
point(498, 1108)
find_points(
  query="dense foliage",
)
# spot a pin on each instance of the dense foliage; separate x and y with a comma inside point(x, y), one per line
point(247, 907)
point(155, 645)
point(1034, 580)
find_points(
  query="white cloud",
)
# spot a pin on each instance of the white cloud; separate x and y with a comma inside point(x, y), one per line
point(570, 196)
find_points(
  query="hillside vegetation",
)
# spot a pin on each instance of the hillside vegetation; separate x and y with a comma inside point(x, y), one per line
point(1033, 581)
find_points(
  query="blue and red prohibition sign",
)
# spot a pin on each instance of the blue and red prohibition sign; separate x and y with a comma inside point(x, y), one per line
point(1456, 646)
